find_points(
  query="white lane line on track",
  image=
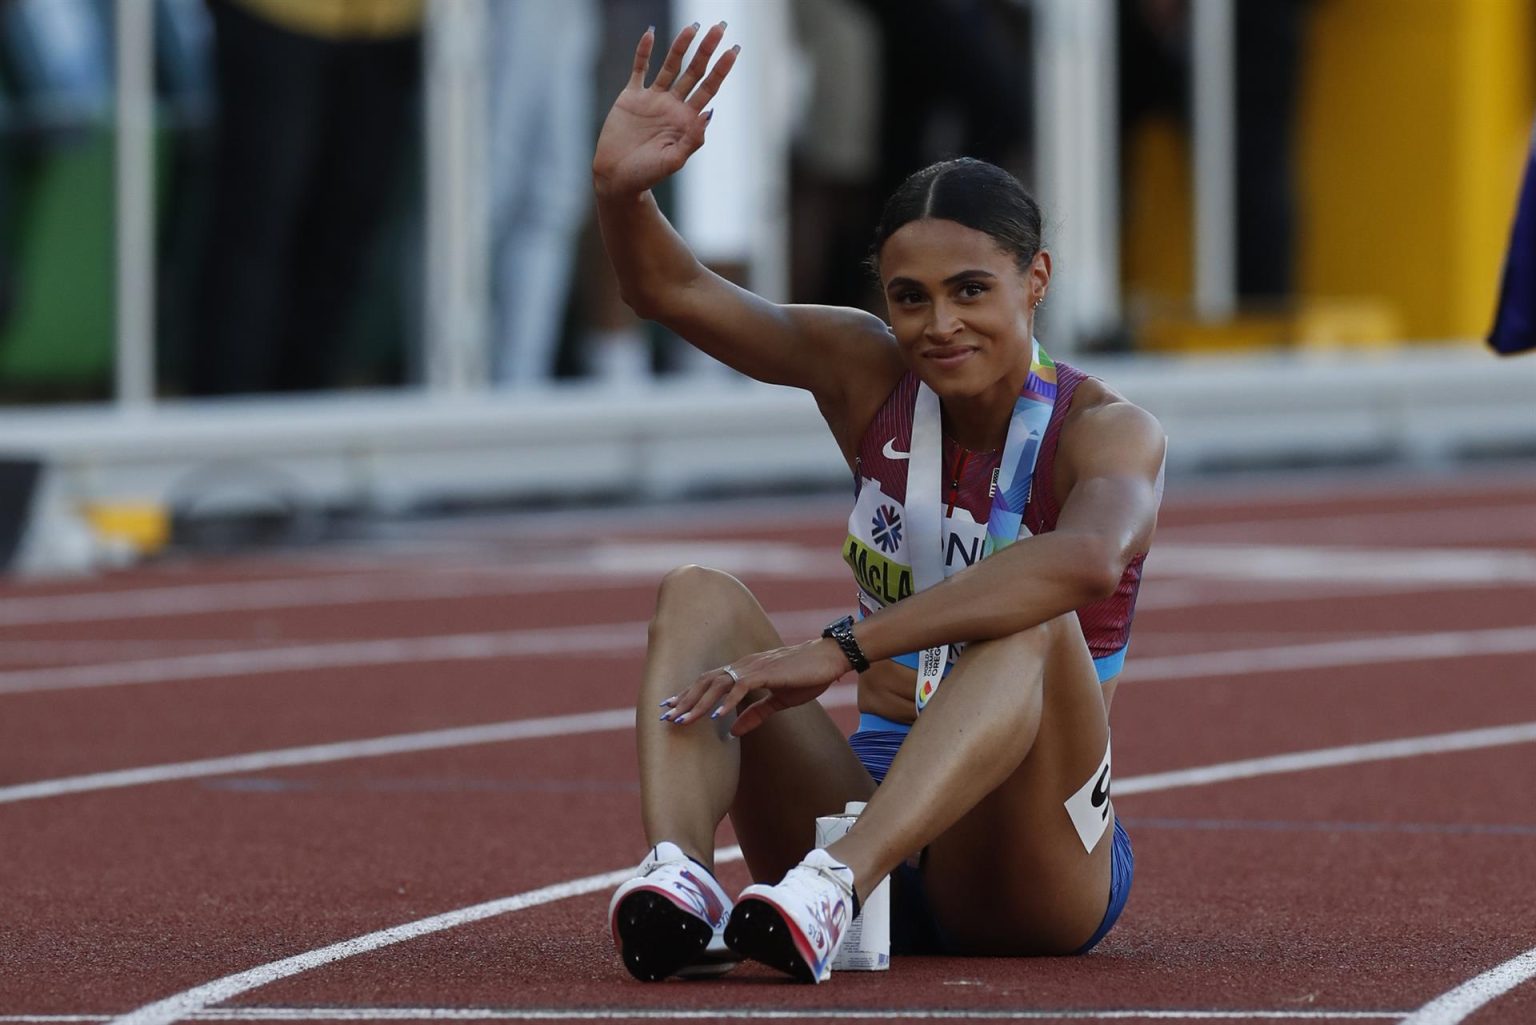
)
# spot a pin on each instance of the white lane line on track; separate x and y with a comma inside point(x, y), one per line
point(602, 639)
point(623, 638)
point(1460, 1003)
point(352, 750)
point(193, 1001)
point(768, 1014)
point(1481, 525)
point(321, 1014)
point(188, 1003)
point(639, 563)
point(1481, 567)
point(1331, 757)
point(594, 567)
point(1179, 667)
point(298, 592)
point(1163, 594)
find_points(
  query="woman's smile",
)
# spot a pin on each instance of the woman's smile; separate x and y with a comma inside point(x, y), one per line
point(949, 357)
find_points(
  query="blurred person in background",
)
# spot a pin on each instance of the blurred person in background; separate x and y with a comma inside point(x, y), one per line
point(895, 86)
point(615, 346)
point(315, 104)
point(543, 56)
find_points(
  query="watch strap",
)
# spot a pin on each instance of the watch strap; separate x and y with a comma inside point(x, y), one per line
point(841, 633)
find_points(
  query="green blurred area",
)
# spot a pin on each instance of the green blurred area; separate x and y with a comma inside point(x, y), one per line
point(56, 341)
point(57, 335)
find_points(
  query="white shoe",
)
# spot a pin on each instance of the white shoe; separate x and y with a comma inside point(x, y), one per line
point(797, 925)
point(670, 919)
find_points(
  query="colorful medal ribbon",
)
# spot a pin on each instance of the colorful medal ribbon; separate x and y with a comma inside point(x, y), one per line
point(1010, 490)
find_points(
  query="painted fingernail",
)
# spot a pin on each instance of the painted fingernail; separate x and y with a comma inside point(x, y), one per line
point(736, 48)
point(665, 702)
point(694, 26)
point(716, 713)
point(650, 30)
point(664, 716)
point(709, 115)
point(722, 24)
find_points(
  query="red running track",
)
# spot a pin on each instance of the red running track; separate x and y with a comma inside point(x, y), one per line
point(1276, 620)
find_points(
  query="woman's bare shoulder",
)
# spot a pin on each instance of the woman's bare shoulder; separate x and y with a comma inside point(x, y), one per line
point(1103, 421)
point(862, 364)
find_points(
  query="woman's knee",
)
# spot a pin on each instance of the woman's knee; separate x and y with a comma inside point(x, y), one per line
point(1039, 641)
point(689, 594)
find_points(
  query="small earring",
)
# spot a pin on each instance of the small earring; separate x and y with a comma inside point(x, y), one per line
point(1038, 300)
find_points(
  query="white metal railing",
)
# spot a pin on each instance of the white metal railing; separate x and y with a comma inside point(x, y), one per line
point(1215, 157)
point(735, 201)
point(457, 256)
point(134, 367)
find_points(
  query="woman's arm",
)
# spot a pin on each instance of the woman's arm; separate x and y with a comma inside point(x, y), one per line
point(1111, 457)
point(649, 135)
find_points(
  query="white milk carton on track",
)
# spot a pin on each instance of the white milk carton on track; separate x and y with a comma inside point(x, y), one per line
point(867, 945)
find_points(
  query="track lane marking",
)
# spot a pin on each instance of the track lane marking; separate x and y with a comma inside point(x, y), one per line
point(637, 563)
point(1331, 757)
point(622, 638)
point(191, 1002)
point(1181, 667)
point(319, 1014)
point(1458, 1004)
point(247, 596)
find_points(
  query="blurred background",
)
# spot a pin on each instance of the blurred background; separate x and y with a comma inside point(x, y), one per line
point(298, 261)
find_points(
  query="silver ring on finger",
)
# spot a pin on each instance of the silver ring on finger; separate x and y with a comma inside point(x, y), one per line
point(732, 673)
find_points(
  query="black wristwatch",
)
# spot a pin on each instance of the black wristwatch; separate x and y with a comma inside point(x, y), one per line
point(842, 633)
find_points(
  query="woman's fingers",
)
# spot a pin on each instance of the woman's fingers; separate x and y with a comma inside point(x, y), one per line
point(674, 60)
point(711, 84)
point(712, 695)
point(754, 715)
point(692, 702)
point(700, 63)
point(642, 59)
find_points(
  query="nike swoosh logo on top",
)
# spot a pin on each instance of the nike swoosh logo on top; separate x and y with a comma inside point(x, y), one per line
point(890, 451)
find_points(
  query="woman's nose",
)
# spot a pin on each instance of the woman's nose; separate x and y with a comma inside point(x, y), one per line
point(944, 324)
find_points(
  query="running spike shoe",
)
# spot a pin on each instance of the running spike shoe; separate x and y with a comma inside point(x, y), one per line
point(797, 925)
point(670, 919)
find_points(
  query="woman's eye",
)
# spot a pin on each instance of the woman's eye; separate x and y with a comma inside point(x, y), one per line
point(971, 289)
point(909, 298)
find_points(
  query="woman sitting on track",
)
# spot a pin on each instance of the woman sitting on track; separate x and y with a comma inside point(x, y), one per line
point(990, 810)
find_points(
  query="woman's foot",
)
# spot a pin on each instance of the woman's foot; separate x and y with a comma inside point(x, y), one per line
point(670, 919)
point(797, 925)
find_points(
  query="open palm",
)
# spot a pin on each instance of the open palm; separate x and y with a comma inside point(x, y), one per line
point(652, 130)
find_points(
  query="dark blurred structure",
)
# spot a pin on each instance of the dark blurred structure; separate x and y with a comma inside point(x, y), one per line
point(1155, 77)
point(316, 101)
point(950, 78)
point(612, 344)
point(1514, 322)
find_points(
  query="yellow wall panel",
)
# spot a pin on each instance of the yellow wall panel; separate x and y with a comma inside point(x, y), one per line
point(1414, 120)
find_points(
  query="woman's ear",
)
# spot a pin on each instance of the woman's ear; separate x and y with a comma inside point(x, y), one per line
point(1040, 274)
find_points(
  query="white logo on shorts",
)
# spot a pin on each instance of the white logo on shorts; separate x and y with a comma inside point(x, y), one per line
point(891, 452)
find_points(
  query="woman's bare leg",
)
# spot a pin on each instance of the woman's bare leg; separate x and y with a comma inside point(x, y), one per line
point(775, 781)
point(981, 781)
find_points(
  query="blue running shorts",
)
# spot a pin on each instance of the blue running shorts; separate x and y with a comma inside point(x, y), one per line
point(914, 929)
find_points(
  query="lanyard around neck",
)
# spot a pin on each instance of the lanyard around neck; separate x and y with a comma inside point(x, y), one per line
point(1010, 489)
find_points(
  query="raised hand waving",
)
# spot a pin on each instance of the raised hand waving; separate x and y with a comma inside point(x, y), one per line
point(653, 129)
